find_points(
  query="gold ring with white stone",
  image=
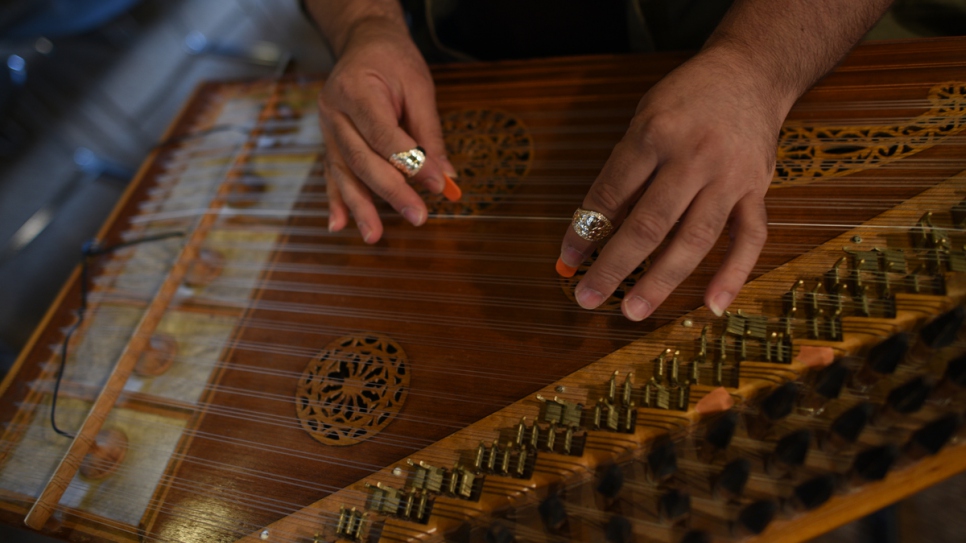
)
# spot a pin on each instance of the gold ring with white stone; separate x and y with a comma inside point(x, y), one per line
point(409, 162)
point(591, 225)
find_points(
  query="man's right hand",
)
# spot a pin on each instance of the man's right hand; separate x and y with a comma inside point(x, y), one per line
point(379, 100)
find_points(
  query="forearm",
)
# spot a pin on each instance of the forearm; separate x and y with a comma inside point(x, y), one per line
point(790, 44)
point(341, 21)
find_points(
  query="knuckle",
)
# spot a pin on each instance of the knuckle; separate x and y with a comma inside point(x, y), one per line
point(653, 128)
point(700, 236)
point(757, 234)
point(607, 196)
point(609, 277)
point(646, 230)
point(381, 142)
point(356, 159)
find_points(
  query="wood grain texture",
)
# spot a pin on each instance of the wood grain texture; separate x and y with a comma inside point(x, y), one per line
point(475, 304)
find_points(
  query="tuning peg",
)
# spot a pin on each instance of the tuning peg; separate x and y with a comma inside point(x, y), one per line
point(662, 462)
point(731, 482)
point(845, 429)
point(790, 452)
point(611, 481)
point(873, 464)
point(696, 536)
point(553, 513)
point(813, 493)
point(929, 439)
point(777, 405)
point(942, 330)
point(905, 399)
point(754, 518)
point(674, 505)
point(718, 434)
point(618, 530)
point(882, 359)
point(953, 382)
point(827, 385)
point(498, 532)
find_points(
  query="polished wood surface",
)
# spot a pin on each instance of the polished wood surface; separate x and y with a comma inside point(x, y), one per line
point(471, 297)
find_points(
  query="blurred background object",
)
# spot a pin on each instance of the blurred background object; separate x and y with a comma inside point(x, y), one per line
point(86, 89)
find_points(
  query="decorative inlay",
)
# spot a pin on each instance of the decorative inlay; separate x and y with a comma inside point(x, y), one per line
point(205, 268)
point(106, 454)
point(808, 152)
point(352, 389)
point(157, 358)
point(492, 151)
point(614, 301)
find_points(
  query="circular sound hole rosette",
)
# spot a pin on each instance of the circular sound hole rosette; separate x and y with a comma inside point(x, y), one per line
point(491, 150)
point(352, 389)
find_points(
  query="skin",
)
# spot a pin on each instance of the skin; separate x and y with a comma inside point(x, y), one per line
point(699, 152)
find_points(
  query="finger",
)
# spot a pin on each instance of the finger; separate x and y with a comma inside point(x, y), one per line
point(338, 211)
point(376, 173)
point(645, 227)
point(699, 231)
point(619, 183)
point(749, 231)
point(353, 195)
point(377, 121)
point(422, 122)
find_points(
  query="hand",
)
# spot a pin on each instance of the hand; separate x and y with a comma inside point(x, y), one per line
point(380, 100)
point(700, 148)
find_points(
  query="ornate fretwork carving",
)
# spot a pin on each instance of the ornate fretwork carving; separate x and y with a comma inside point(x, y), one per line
point(352, 389)
point(807, 152)
point(492, 151)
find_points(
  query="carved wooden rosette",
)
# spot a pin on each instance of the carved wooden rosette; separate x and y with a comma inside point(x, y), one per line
point(353, 389)
point(493, 150)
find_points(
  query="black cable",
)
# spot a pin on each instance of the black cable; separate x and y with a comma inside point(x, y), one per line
point(88, 251)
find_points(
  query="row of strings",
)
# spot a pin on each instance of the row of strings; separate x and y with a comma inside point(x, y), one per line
point(257, 207)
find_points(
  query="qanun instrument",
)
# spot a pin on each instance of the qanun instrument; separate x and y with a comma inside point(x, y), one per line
point(224, 368)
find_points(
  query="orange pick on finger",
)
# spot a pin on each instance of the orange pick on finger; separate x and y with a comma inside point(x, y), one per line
point(451, 190)
point(564, 270)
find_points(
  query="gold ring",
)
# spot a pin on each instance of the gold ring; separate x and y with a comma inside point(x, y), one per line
point(591, 225)
point(409, 162)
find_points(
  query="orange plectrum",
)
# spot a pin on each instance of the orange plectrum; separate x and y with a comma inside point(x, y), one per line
point(564, 270)
point(451, 190)
point(716, 401)
point(815, 357)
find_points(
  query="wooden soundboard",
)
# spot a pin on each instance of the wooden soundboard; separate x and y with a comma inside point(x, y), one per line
point(241, 373)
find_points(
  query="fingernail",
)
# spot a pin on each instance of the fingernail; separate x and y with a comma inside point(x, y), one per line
point(413, 215)
point(637, 308)
point(365, 231)
point(331, 225)
point(589, 298)
point(564, 270)
point(721, 302)
point(451, 190)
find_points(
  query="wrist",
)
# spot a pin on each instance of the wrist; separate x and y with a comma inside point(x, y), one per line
point(368, 30)
point(766, 77)
point(342, 22)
